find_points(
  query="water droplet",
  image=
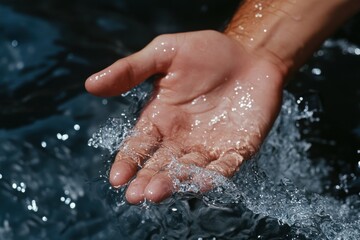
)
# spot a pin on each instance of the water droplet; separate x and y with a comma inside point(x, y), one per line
point(357, 51)
point(67, 201)
point(44, 218)
point(14, 43)
point(43, 144)
point(299, 100)
point(32, 206)
point(76, 127)
point(65, 137)
point(72, 205)
point(316, 71)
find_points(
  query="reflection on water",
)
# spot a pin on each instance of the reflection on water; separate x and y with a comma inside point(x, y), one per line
point(304, 183)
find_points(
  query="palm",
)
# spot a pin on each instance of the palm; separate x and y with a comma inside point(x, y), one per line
point(212, 108)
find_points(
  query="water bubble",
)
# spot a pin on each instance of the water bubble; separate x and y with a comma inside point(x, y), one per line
point(44, 218)
point(43, 144)
point(72, 205)
point(76, 127)
point(1, 176)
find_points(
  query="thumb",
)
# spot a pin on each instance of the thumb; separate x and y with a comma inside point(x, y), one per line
point(130, 71)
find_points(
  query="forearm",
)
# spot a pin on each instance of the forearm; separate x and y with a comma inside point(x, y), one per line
point(288, 31)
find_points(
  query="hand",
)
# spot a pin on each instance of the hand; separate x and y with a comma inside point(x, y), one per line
point(212, 106)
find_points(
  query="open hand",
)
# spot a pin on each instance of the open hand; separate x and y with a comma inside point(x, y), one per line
point(213, 104)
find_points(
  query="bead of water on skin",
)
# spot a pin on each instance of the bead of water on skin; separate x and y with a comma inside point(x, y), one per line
point(258, 6)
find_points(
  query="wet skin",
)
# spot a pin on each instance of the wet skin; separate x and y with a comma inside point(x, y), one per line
point(212, 107)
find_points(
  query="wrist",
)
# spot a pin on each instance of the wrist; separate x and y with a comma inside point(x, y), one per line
point(286, 32)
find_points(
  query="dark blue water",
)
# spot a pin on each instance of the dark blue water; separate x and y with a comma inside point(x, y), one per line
point(54, 186)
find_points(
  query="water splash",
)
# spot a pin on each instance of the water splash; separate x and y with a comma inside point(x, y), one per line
point(114, 131)
point(280, 182)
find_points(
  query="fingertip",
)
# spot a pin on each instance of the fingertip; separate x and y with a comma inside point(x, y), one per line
point(135, 193)
point(159, 188)
point(102, 84)
point(89, 84)
point(121, 173)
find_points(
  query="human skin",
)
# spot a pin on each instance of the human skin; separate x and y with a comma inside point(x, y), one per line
point(217, 94)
